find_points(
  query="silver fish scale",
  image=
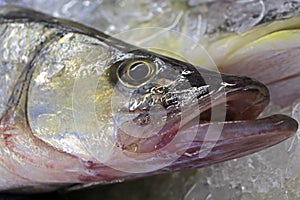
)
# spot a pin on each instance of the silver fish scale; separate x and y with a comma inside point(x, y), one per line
point(19, 42)
point(42, 61)
point(74, 57)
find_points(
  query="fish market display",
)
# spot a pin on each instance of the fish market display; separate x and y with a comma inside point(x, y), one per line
point(78, 106)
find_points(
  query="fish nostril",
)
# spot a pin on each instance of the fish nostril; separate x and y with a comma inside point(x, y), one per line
point(143, 119)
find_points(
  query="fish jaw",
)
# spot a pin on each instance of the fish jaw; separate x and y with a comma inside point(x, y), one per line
point(198, 138)
point(237, 139)
point(198, 145)
point(229, 98)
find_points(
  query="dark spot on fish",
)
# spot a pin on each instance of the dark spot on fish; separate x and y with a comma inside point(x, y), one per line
point(142, 119)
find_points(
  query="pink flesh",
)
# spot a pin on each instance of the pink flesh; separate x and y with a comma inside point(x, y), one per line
point(286, 91)
point(278, 70)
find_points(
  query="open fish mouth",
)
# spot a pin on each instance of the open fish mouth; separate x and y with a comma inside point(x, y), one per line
point(219, 126)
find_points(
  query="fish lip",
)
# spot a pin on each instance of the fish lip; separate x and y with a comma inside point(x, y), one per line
point(234, 141)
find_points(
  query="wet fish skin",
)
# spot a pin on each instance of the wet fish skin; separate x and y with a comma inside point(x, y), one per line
point(49, 85)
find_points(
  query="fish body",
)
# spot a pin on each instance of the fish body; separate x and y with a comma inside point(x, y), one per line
point(78, 107)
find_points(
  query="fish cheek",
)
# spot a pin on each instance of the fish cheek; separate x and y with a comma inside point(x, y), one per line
point(67, 87)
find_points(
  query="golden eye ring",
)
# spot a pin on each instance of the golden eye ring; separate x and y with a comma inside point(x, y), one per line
point(136, 73)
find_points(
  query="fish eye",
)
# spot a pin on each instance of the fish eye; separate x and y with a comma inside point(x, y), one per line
point(136, 73)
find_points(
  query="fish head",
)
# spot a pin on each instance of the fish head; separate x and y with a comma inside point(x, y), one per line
point(164, 109)
point(109, 105)
point(137, 111)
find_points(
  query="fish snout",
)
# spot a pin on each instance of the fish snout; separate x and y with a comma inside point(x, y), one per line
point(246, 98)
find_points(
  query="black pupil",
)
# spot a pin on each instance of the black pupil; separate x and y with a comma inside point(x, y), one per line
point(138, 71)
